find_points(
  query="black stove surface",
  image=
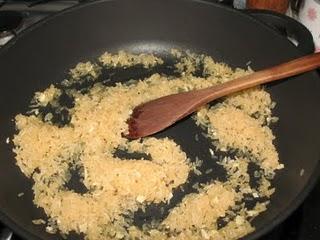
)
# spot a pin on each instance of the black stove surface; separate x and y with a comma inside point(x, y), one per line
point(303, 224)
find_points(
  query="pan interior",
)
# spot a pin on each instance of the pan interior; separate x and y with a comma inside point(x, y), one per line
point(185, 133)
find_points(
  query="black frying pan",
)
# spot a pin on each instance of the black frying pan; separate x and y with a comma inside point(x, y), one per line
point(43, 54)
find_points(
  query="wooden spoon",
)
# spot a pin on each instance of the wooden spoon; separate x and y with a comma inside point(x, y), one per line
point(158, 114)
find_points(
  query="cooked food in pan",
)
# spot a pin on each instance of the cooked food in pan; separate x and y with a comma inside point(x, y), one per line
point(90, 179)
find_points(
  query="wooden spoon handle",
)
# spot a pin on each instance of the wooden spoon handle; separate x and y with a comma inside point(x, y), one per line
point(278, 72)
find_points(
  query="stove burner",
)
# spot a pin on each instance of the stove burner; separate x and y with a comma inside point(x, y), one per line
point(5, 234)
point(10, 23)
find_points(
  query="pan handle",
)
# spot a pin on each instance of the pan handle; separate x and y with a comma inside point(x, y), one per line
point(5, 234)
point(286, 26)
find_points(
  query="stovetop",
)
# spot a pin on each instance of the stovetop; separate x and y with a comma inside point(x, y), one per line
point(303, 224)
point(17, 15)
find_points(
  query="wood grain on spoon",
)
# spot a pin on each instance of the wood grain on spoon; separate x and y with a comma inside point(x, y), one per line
point(158, 114)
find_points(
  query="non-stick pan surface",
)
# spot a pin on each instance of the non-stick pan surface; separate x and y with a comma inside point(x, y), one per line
point(43, 54)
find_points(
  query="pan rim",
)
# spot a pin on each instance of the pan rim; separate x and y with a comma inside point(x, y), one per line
point(25, 234)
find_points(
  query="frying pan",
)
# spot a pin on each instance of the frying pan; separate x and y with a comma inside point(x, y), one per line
point(42, 55)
